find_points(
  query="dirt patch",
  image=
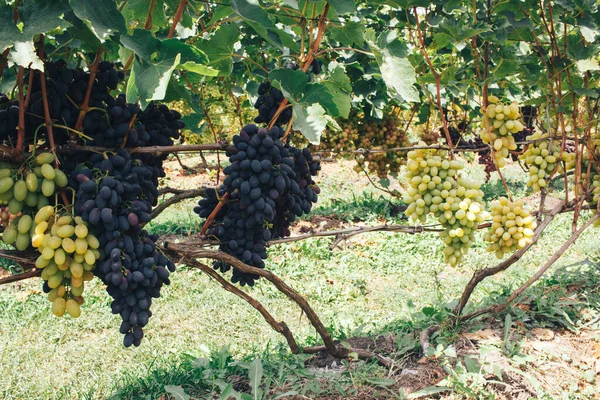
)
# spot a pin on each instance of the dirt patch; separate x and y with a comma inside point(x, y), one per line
point(316, 223)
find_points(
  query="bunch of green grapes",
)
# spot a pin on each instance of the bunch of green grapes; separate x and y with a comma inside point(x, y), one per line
point(25, 190)
point(544, 158)
point(499, 126)
point(512, 227)
point(381, 135)
point(436, 188)
point(68, 254)
point(369, 134)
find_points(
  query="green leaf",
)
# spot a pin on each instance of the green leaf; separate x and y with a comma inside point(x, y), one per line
point(177, 392)
point(149, 81)
point(295, 88)
point(41, 16)
point(338, 85)
point(156, 62)
point(587, 65)
point(142, 42)
point(23, 53)
point(9, 33)
point(36, 16)
point(343, 6)
point(291, 83)
point(429, 390)
point(396, 70)
point(310, 121)
point(250, 10)
point(102, 17)
point(255, 373)
point(351, 33)
point(79, 31)
point(219, 48)
point(228, 392)
point(199, 68)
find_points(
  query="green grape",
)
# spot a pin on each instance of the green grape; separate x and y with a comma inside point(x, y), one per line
point(512, 227)
point(436, 188)
point(500, 122)
point(59, 239)
point(543, 159)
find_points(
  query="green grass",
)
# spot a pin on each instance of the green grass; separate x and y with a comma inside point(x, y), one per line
point(374, 283)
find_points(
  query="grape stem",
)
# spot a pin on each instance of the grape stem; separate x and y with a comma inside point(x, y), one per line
point(21, 126)
point(213, 214)
point(182, 195)
point(280, 327)
point(482, 274)
point(20, 277)
point(277, 282)
point(86, 100)
point(177, 17)
point(436, 75)
point(309, 58)
point(4, 61)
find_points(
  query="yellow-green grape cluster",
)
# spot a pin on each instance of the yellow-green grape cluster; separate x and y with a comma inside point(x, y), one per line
point(543, 159)
point(381, 135)
point(512, 227)
point(369, 134)
point(503, 122)
point(455, 201)
point(68, 254)
point(28, 189)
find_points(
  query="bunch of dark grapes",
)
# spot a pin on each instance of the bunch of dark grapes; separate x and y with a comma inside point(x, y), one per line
point(66, 89)
point(484, 157)
point(269, 99)
point(115, 195)
point(269, 184)
point(9, 118)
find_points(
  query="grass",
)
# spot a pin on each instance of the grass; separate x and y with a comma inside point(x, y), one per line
point(374, 283)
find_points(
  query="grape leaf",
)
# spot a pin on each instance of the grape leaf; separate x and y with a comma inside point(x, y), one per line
point(343, 6)
point(41, 16)
point(291, 83)
point(101, 16)
point(36, 16)
point(250, 10)
point(338, 85)
point(396, 70)
point(9, 33)
point(80, 33)
point(310, 121)
point(219, 48)
point(148, 81)
point(349, 34)
point(23, 53)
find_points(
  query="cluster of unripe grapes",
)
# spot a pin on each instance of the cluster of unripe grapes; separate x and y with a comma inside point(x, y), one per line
point(68, 254)
point(27, 189)
point(512, 227)
point(370, 134)
point(436, 188)
point(544, 158)
point(499, 124)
